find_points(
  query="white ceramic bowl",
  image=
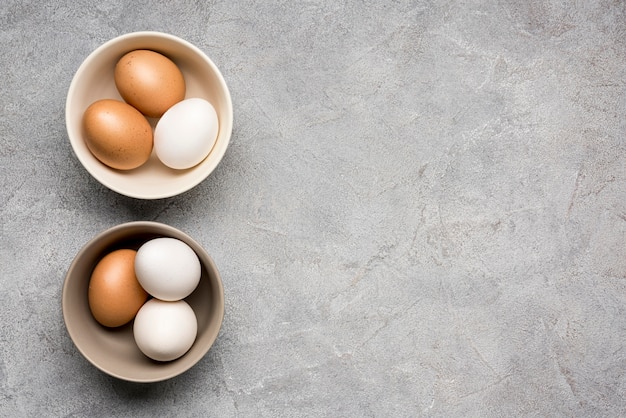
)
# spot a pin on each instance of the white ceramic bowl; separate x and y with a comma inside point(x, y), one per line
point(94, 81)
point(113, 350)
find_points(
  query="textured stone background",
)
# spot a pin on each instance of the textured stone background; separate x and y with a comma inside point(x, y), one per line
point(422, 211)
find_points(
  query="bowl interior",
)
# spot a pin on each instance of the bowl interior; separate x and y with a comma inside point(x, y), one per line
point(94, 80)
point(113, 350)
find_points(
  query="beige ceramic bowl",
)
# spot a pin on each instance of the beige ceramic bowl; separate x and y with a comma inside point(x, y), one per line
point(94, 80)
point(113, 350)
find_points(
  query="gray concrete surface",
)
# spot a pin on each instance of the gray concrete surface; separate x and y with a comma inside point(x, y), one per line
point(422, 211)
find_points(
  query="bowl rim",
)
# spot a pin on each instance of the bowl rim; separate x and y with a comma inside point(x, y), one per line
point(227, 125)
point(218, 320)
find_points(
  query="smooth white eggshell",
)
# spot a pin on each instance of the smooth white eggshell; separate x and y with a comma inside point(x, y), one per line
point(167, 268)
point(164, 331)
point(186, 133)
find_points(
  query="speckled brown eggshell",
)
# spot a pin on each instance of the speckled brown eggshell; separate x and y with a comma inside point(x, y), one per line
point(149, 81)
point(117, 134)
point(115, 295)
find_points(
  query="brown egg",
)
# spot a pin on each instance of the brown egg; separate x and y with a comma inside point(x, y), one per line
point(117, 134)
point(149, 81)
point(115, 295)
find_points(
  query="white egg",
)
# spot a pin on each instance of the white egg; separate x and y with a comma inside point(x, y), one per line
point(167, 268)
point(164, 331)
point(186, 133)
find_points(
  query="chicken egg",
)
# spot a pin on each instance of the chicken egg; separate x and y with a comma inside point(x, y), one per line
point(164, 331)
point(114, 293)
point(149, 81)
point(117, 134)
point(167, 268)
point(186, 133)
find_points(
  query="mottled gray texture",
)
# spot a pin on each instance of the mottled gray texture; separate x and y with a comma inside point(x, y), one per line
point(422, 211)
